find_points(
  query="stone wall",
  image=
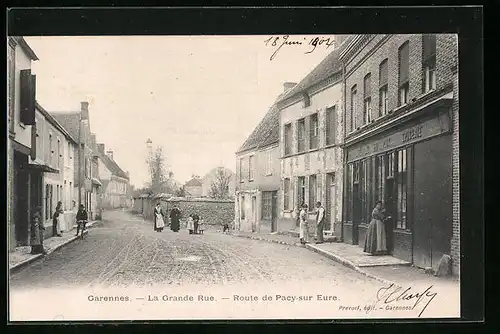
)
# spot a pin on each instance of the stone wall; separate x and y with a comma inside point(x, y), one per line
point(213, 212)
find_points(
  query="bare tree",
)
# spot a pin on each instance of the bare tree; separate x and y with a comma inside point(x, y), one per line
point(157, 170)
point(219, 188)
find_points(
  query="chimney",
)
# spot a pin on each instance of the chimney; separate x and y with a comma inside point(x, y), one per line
point(101, 149)
point(110, 154)
point(85, 110)
point(288, 86)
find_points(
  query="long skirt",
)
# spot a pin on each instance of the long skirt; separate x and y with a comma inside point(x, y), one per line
point(375, 241)
point(159, 223)
point(304, 231)
point(174, 225)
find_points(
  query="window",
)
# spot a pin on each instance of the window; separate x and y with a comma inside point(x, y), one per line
point(313, 134)
point(51, 150)
point(302, 190)
point(250, 168)
point(380, 178)
point(313, 189)
point(429, 62)
point(301, 126)
point(242, 208)
point(363, 190)
point(390, 165)
point(286, 194)
point(267, 198)
point(367, 111)
point(330, 119)
point(288, 139)
point(383, 84)
point(404, 67)
point(402, 189)
point(354, 92)
point(269, 163)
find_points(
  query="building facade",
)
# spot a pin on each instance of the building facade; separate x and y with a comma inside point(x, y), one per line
point(401, 143)
point(52, 170)
point(193, 187)
point(86, 186)
point(311, 121)
point(258, 176)
point(115, 182)
point(21, 88)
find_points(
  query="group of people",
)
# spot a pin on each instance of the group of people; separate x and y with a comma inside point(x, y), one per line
point(193, 222)
point(375, 241)
point(38, 228)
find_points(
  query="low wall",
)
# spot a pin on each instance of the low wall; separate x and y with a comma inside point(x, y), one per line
point(212, 211)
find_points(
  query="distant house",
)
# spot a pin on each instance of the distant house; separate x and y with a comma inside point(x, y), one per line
point(220, 177)
point(115, 192)
point(194, 187)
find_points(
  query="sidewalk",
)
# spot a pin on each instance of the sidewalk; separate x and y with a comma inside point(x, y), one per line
point(21, 256)
point(386, 269)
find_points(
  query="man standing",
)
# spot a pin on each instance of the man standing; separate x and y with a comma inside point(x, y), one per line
point(320, 223)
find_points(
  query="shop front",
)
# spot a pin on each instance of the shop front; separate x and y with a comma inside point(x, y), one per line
point(407, 165)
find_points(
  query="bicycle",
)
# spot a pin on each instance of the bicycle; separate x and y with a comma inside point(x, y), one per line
point(81, 224)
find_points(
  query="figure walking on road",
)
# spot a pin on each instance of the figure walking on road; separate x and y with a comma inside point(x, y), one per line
point(159, 218)
point(304, 225)
point(37, 228)
point(196, 221)
point(320, 223)
point(375, 241)
point(175, 216)
point(56, 219)
point(82, 219)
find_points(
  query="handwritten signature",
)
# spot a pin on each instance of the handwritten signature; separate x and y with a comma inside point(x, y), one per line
point(394, 294)
point(313, 42)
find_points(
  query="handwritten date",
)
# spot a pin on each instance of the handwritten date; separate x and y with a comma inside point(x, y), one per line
point(278, 42)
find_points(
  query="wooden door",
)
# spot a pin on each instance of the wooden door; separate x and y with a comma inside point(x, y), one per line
point(274, 212)
point(254, 214)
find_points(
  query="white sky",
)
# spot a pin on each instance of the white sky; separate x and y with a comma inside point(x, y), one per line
point(198, 97)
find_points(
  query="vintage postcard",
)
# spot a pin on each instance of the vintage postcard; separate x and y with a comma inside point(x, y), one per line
point(233, 177)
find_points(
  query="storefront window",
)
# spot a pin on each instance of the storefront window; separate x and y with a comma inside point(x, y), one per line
point(380, 178)
point(363, 194)
point(402, 189)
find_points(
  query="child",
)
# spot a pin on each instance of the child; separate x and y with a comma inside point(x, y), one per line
point(190, 224)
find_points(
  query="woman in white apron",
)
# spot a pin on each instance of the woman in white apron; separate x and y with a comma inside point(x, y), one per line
point(158, 218)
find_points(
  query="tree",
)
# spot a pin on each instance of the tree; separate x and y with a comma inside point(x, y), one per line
point(157, 171)
point(181, 192)
point(219, 188)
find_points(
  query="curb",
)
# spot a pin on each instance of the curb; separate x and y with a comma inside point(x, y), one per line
point(24, 263)
point(349, 264)
point(267, 240)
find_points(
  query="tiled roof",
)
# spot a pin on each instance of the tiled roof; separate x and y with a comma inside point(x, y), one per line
point(112, 166)
point(69, 120)
point(193, 182)
point(328, 66)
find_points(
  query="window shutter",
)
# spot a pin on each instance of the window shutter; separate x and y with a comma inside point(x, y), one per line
point(28, 84)
point(367, 86)
point(333, 125)
point(429, 46)
point(33, 142)
point(403, 63)
point(383, 73)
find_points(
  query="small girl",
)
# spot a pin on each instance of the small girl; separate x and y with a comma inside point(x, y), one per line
point(190, 224)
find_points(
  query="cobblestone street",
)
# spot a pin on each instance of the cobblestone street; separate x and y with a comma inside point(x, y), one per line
point(124, 250)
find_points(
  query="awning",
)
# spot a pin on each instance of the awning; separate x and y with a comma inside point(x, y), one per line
point(39, 164)
point(96, 181)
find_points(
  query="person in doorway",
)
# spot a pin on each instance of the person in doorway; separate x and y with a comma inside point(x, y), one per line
point(175, 216)
point(320, 223)
point(159, 218)
point(375, 241)
point(304, 225)
point(196, 222)
point(82, 219)
point(56, 219)
point(37, 228)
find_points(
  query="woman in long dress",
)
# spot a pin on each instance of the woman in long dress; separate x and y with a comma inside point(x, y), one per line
point(304, 225)
point(159, 218)
point(375, 241)
point(37, 228)
point(175, 215)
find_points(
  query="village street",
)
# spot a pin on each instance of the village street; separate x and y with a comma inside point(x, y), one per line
point(124, 250)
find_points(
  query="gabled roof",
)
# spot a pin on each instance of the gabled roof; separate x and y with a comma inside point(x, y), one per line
point(55, 123)
point(69, 120)
point(326, 68)
point(193, 182)
point(112, 166)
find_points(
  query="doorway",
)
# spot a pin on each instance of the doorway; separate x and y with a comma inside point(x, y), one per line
point(21, 198)
point(274, 211)
point(254, 214)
